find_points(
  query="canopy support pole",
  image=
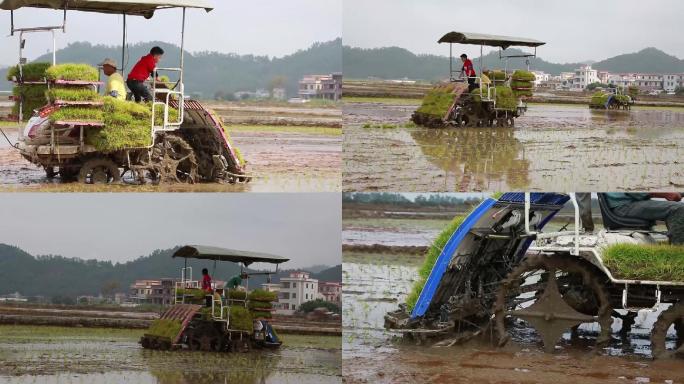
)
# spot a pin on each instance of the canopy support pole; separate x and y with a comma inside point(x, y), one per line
point(123, 46)
point(451, 59)
point(182, 47)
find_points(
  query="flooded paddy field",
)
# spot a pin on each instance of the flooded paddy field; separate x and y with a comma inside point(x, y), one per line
point(279, 158)
point(374, 284)
point(567, 146)
point(36, 354)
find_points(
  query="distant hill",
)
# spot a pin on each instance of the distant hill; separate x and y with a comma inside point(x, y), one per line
point(61, 276)
point(647, 60)
point(212, 72)
point(396, 63)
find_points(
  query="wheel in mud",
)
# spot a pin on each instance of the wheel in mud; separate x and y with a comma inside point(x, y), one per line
point(205, 338)
point(68, 173)
point(172, 160)
point(553, 294)
point(99, 170)
point(672, 317)
point(50, 172)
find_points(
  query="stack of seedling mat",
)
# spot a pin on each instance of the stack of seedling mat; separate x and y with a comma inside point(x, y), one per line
point(504, 96)
point(522, 83)
point(261, 303)
point(29, 88)
point(109, 124)
point(437, 103)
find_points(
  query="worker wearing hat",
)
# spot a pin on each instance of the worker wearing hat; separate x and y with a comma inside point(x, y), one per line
point(115, 84)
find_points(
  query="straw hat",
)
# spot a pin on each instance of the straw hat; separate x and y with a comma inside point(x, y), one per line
point(109, 61)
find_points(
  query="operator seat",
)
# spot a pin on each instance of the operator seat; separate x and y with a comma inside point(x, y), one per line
point(612, 221)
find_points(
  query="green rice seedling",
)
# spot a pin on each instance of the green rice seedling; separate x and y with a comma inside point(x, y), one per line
point(230, 141)
point(77, 114)
point(240, 318)
point(31, 71)
point(645, 261)
point(437, 101)
point(197, 294)
point(496, 74)
point(505, 99)
point(72, 72)
point(126, 125)
point(253, 304)
point(521, 75)
point(430, 259)
point(599, 99)
point(518, 84)
point(237, 294)
point(33, 97)
point(633, 91)
point(165, 328)
point(263, 314)
point(72, 94)
point(262, 295)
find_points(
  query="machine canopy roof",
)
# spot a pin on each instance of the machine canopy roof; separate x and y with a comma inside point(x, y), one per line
point(489, 40)
point(223, 254)
point(144, 8)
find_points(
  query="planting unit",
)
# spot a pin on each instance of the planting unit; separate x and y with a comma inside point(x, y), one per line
point(494, 103)
point(499, 274)
point(223, 320)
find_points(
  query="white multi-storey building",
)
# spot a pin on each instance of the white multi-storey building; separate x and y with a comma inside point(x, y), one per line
point(649, 80)
point(583, 76)
point(540, 77)
point(295, 290)
point(672, 81)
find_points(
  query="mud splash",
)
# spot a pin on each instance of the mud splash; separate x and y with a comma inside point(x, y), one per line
point(567, 146)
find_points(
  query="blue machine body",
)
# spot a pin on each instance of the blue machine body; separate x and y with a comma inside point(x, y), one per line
point(552, 202)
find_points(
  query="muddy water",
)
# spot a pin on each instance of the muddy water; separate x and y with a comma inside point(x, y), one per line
point(373, 354)
point(277, 162)
point(117, 360)
point(552, 146)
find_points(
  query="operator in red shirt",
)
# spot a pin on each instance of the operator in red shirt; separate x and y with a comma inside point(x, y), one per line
point(468, 71)
point(141, 71)
point(206, 286)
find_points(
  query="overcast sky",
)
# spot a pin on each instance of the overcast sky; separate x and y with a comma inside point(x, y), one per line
point(120, 227)
point(262, 27)
point(574, 31)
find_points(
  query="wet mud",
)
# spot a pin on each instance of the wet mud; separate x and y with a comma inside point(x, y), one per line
point(114, 357)
point(373, 354)
point(560, 146)
point(278, 161)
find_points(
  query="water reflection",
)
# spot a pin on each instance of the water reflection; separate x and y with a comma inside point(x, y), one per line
point(476, 156)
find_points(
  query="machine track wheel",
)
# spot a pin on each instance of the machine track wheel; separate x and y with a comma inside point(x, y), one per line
point(174, 160)
point(99, 170)
point(50, 172)
point(673, 316)
point(68, 173)
point(205, 338)
point(553, 293)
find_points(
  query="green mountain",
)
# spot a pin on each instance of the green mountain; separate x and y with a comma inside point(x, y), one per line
point(213, 72)
point(396, 63)
point(647, 60)
point(53, 275)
